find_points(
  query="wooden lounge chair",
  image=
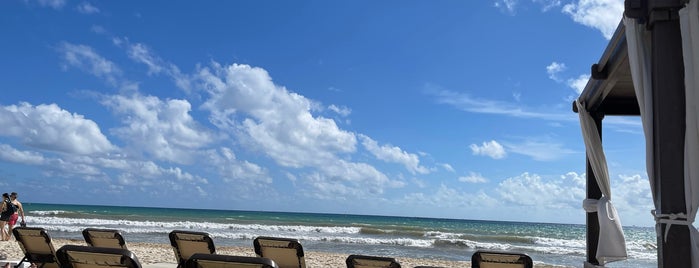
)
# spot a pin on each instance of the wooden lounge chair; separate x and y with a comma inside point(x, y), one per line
point(200, 260)
point(36, 246)
point(106, 238)
point(286, 252)
point(497, 259)
point(363, 261)
point(72, 256)
point(187, 243)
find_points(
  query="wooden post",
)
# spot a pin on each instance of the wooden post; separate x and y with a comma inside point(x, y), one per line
point(668, 131)
point(593, 192)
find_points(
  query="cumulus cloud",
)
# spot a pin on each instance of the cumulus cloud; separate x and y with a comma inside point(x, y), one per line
point(87, 8)
point(393, 154)
point(233, 170)
point(268, 118)
point(554, 69)
point(603, 15)
point(473, 178)
point(10, 154)
point(447, 197)
point(87, 59)
point(492, 148)
point(49, 127)
point(528, 190)
point(579, 83)
point(163, 129)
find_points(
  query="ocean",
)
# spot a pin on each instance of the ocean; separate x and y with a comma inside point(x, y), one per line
point(450, 239)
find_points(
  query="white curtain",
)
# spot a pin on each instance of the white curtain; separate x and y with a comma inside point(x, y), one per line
point(611, 246)
point(637, 39)
point(689, 24)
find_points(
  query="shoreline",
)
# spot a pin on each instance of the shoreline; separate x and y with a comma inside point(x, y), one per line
point(150, 254)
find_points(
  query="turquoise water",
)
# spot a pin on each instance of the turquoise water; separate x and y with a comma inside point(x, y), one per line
point(559, 244)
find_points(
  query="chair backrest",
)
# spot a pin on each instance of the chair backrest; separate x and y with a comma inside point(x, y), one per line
point(72, 256)
point(363, 261)
point(200, 260)
point(36, 246)
point(106, 238)
point(497, 259)
point(187, 243)
point(286, 252)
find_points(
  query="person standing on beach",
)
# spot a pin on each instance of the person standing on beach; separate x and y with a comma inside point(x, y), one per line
point(5, 207)
point(18, 211)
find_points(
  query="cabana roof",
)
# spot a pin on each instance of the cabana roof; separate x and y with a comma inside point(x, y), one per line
point(610, 88)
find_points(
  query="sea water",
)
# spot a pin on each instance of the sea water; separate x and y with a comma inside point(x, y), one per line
point(429, 238)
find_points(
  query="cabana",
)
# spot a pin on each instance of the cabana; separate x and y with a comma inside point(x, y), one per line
point(650, 68)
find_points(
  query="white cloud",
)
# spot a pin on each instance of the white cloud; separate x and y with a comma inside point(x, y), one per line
point(163, 129)
point(10, 154)
point(603, 15)
point(85, 58)
point(539, 149)
point(343, 111)
point(55, 4)
point(467, 103)
point(98, 29)
point(578, 84)
point(235, 171)
point(87, 8)
point(447, 167)
point(141, 53)
point(269, 119)
point(632, 193)
point(49, 127)
point(534, 191)
point(547, 5)
point(446, 197)
point(508, 6)
point(473, 178)
point(491, 148)
point(554, 69)
point(394, 154)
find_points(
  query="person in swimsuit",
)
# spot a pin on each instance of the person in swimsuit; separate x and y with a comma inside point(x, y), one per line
point(18, 211)
point(5, 207)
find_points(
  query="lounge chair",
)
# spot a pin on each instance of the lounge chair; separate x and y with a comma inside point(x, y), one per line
point(187, 243)
point(362, 261)
point(286, 252)
point(72, 256)
point(497, 259)
point(36, 246)
point(200, 260)
point(106, 238)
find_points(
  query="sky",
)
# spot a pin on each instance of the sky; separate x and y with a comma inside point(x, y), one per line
point(447, 109)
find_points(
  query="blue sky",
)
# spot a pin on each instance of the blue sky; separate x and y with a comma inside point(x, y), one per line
point(451, 109)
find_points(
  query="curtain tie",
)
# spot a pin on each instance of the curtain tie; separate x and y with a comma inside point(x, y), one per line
point(671, 219)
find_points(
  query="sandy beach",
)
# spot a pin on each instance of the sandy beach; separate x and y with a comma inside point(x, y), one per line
point(150, 254)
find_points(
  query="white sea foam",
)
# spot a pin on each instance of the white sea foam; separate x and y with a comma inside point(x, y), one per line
point(47, 212)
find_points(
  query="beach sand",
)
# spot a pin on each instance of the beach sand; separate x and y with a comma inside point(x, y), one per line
point(153, 255)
